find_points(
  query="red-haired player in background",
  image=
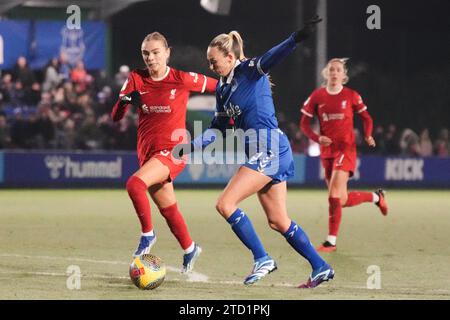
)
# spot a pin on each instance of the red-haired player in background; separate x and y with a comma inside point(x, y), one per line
point(160, 94)
point(334, 105)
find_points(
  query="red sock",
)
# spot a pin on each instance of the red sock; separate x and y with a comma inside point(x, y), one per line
point(335, 211)
point(357, 197)
point(137, 190)
point(177, 225)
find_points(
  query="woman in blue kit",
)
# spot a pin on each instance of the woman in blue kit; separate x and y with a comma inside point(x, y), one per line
point(244, 94)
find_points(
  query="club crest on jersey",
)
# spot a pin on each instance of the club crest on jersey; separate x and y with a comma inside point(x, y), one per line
point(344, 104)
point(233, 110)
point(172, 94)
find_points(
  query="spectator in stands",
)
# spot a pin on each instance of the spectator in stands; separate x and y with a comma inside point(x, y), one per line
point(379, 137)
point(121, 76)
point(64, 67)
point(391, 140)
point(52, 77)
point(426, 146)
point(80, 76)
point(442, 144)
point(22, 73)
point(89, 135)
point(5, 137)
point(409, 143)
point(6, 86)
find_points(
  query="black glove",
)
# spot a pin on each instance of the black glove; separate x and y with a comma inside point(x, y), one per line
point(308, 29)
point(133, 98)
point(182, 149)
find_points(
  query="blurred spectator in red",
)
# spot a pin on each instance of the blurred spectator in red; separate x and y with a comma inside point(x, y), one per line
point(5, 137)
point(442, 144)
point(80, 76)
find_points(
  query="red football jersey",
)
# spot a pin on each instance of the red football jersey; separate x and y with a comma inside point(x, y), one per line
point(335, 113)
point(163, 107)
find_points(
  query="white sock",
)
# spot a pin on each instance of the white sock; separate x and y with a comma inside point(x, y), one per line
point(190, 248)
point(332, 240)
point(148, 234)
point(376, 197)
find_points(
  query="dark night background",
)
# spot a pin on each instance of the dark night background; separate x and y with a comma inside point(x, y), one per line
point(402, 71)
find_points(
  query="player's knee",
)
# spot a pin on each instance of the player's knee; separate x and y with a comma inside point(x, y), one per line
point(343, 200)
point(223, 208)
point(276, 225)
point(135, 184)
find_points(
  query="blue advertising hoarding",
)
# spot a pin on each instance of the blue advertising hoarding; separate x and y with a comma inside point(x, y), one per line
point(40, 41)
point(112, 169)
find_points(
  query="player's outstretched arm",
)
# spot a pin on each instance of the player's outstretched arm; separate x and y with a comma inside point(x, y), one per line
point(307, 30)
point(277, 54)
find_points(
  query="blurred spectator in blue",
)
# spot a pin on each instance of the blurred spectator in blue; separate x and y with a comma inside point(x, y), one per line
point(64, 67)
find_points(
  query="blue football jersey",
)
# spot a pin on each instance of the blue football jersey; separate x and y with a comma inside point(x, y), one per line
point(246, 97)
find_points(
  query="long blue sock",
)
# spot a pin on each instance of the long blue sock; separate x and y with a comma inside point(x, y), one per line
point(243, 228)
point(298, 239)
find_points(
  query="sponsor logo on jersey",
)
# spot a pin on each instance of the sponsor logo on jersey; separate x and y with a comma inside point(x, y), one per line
point(155, 109)
point(332, 116)
point(233, 110)
point(322, 105)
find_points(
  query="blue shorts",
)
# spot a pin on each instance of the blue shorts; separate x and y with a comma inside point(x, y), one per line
point(278, 165)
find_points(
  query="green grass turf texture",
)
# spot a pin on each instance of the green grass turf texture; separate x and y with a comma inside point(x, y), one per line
point(43, 232)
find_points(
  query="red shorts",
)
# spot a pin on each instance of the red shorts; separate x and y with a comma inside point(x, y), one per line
point(345, 161)
point(165, 156)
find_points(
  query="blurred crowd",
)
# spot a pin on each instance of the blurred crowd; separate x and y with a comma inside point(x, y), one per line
point(62, 107)
point(65, 107)
point(390, 140)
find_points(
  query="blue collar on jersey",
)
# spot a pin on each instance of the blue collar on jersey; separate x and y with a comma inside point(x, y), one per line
point(231, 75)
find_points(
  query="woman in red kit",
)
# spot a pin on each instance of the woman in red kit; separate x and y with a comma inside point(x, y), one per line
point(334, 104)
point(160, 94)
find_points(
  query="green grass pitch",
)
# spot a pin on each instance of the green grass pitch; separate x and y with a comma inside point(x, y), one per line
point(43, 232)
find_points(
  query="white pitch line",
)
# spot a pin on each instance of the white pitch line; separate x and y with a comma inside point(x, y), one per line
point(192, 276)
